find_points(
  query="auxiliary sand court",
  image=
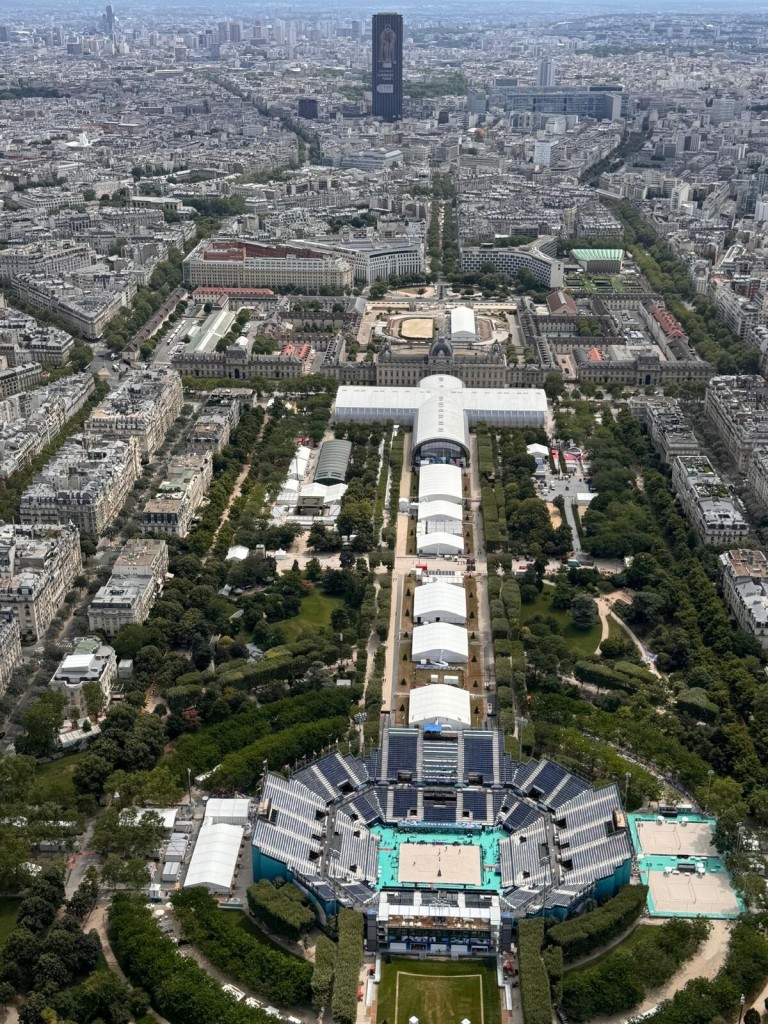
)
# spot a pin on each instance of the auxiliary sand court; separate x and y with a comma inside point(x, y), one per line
point(438, 992)
point(677, 860)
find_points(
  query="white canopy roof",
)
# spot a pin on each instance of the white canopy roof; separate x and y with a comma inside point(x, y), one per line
point(232, 810)
point(439, 703)
point(440, 509)
point(214, 858)
point(439, 543)
point(432, 599)
point(510, 407)
point(462, 322)
point(438, 481)
point(440, 641)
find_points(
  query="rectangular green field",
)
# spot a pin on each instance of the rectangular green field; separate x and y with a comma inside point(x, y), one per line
point(439, 992)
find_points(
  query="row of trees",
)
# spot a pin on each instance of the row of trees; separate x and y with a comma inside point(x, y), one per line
point(250, 959)
point(711, 338)
point(678, 609)
point(349, 960)
point(618, 982)
point(535, 990)
point(18, 482)
point(179, 989)
point(47, 952)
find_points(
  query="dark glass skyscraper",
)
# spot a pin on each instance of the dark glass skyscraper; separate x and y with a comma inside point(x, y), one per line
point(387, 78)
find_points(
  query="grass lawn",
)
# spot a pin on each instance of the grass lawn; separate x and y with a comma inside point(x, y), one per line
point(242, 920)
point(627, 946)
point(439, 992)
point(9, 908)
point(315, 614)
point(582, 643)
point(53, 781)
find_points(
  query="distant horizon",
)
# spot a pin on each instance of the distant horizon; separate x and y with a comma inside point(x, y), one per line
point(450, 12)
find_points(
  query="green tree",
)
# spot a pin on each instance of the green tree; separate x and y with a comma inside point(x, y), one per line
point(41, 723)
point(554, 386)
point(127, 832)
point(583, 612)
point(93, 695)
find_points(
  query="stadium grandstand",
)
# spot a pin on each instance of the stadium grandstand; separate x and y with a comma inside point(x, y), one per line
point(441, 839)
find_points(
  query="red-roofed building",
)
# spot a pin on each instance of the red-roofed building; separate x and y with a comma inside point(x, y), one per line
point(235, 263)
point(561, 302)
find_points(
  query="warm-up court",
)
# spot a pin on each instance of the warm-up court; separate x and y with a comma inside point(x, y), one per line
point(679, 863)
point(694, 839)
point(708, 895)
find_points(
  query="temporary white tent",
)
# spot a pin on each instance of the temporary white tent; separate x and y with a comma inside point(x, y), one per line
point(463, 326)
point(438, 481)
point(440, 641)
point(231, 810)
point(440, 602)
point(439, 509)
point(439, 543)
point(215, 856)
point(439, 704)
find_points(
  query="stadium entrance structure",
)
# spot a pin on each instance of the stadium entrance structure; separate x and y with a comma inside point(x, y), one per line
point(441, 839)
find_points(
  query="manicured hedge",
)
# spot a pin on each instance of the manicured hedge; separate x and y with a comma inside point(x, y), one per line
point(580, 935)
point(534, 980)
point(322, 973)
point(628, 668)
point(503, 671)
point(500, 629)
point(604, 677)
point(282, 909)
point(349, 960)
point(255, 961)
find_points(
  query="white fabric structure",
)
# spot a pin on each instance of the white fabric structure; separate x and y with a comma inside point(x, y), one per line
point(168, 814)
point(237, 553)
point(538, 450)
point(438, 704)
point(231, 810)
point(299, 463)
point(440, 542)
point(440, 602)
point(442, 417)
point(429, 511)
point(214, 858)
point(463, 324)
point(441, 409)
point(438, 482)
point(440, 641)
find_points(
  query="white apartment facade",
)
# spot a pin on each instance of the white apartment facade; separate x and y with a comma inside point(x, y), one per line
point(136, 582)
point(38, 565)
